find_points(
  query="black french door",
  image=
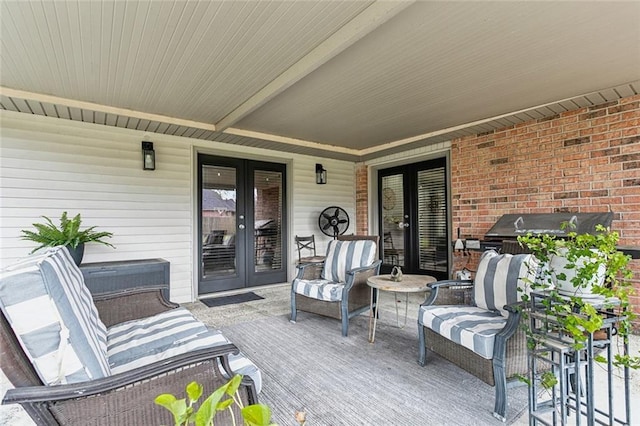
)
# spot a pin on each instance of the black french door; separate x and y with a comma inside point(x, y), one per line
point(413, 216)
point(242, 241)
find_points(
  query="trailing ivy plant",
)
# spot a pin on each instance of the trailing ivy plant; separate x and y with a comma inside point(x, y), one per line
point(592, 264)
point(68, 233)
point(185, 413)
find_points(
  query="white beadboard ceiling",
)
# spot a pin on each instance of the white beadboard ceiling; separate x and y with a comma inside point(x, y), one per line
point(342, 79)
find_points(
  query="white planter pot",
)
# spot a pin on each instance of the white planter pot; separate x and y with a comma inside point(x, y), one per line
point(558, 263)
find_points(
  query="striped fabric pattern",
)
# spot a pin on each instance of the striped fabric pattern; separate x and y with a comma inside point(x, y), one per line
point(65, 284)
point(498, 278)
point(38, 323)
point(328, 291)
point(343, 256)
point(472, 327)
point(136, 343)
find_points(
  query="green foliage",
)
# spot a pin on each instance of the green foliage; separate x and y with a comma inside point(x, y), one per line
point(223, 398)
point(587, 256)
point(548, 380)
point(67, 234)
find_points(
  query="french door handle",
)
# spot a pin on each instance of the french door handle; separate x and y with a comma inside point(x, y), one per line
point(241, 226)
point(403, 225)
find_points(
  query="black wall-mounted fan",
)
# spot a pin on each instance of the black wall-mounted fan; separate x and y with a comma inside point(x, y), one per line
point(333, 221)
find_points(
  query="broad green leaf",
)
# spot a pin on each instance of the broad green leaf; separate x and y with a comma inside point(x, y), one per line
point(165, 400)
point(234, 384)
point(204, 415)
point(207, 410)
point(194, 391)
point(223, 405)
point(257, 415)
point(177, 407)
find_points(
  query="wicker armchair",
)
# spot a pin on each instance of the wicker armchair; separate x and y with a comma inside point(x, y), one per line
point(338, 287)
point(476, 327)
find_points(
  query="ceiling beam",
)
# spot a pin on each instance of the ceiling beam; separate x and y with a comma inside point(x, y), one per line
point(368, 20)
point(291, 141)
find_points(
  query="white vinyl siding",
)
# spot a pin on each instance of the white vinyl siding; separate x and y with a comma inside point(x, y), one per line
point(310, 199)
point(53, 165)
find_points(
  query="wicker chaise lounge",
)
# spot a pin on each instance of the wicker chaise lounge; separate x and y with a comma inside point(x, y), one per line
point(480, 331)
point(55, 372)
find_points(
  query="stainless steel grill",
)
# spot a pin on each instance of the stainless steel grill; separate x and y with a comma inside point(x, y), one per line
point(510, 226)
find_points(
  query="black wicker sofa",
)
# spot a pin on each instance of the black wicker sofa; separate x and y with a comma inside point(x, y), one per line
point(74, 359)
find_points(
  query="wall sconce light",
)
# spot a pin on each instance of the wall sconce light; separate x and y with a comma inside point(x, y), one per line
point(321, 174)
point(148, 156)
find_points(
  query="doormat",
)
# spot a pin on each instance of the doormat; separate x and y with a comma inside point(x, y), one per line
point(229, 300)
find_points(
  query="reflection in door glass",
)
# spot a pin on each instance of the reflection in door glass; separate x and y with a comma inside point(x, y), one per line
point(267, 196)
point(218, 220)
point(393, 220)
point(432, 219)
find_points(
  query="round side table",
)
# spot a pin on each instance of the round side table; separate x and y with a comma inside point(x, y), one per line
point(410, 284)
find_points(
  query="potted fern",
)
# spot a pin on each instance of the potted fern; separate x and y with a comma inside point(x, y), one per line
point(67, 234)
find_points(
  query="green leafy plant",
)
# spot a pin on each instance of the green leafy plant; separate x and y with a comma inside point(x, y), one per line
point(185, 413)
point(592, 266)
point(67, 234)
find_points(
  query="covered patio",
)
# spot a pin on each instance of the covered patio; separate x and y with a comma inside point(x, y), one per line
point(530, 107)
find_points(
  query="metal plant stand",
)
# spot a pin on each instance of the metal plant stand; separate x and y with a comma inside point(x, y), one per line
point(572, 398)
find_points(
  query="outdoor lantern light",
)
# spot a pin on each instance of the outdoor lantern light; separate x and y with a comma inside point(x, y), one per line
point(321, 174)
point(148, 156)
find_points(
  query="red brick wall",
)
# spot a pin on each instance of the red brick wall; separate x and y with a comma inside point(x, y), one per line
point(580, 161)
point(362, 195)
point(586, 160)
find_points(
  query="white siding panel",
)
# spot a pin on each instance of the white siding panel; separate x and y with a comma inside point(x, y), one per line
point(51, 165)
point(310, 199)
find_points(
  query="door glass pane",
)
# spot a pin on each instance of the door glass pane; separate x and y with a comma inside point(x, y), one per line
point(432, 220)
point(267, 195)
point(218, 220)
point(393, 221)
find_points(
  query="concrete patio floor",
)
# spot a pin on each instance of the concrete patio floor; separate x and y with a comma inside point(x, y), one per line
point(276, 302)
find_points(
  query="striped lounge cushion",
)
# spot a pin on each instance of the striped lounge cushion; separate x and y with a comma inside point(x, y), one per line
point(498, 278)
point(65, 341)
point(342, 256)
point(472, 327)
point(137, 343)
point(320, 289)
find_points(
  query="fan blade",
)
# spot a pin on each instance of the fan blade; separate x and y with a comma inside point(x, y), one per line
point(336, 230)
point(326, 216)
point(337, 212)
point(326, 226)
point(343, 221)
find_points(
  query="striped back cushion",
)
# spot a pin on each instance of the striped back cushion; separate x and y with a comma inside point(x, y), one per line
point(343, 256)
point(498, 278)
point(64, 344)
point(65, 284)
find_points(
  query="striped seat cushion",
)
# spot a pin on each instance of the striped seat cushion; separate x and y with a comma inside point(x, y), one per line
point(66, 341)
point(342, 256)
point(472, 327)
point(320, 289)
point(499, 278)
point(137, 343)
